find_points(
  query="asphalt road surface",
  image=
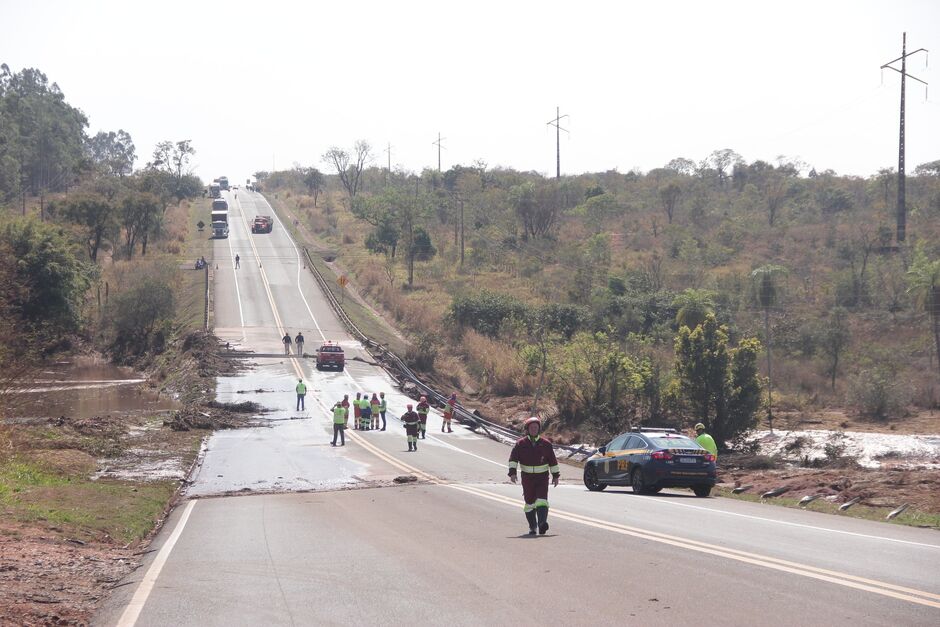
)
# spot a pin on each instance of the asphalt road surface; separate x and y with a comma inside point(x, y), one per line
point(283, 529)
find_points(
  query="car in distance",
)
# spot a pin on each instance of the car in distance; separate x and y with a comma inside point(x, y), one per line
point(331, 355)
point(650, 459)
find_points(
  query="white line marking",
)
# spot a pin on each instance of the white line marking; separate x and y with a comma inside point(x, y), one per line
point(238, 294)
point(661, 501)
point(132, 612)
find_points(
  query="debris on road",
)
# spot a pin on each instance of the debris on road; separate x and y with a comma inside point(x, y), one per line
point(405, 479)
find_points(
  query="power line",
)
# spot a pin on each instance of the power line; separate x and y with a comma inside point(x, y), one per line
point(558, 129)
point(902, 210)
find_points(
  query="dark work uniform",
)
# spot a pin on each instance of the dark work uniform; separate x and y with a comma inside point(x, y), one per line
point(535, 459)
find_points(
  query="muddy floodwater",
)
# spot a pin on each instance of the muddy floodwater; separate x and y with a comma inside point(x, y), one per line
point(84, 388)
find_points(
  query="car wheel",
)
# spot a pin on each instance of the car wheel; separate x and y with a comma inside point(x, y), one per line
point(637, 483)
point(590, 479)
point(702, 490)
point(319, 367)
point(653, 490)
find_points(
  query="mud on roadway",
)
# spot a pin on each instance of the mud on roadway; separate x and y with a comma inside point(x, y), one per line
point(81, 495)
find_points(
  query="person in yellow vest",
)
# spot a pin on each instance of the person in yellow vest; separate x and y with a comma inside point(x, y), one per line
point(339, 423)
point(301, 393)
point(365, 413)
point(706, 441)
point(383, 407)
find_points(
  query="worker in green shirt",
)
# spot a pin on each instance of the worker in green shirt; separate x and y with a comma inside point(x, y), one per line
point(339, 423)
point(301, 393)
point(706, 441)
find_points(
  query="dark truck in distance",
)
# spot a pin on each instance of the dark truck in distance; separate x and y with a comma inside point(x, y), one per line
point(331, 355)
point(219, 204)
point(262, 224)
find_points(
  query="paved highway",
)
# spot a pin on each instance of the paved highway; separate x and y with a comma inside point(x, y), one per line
point(282, 529)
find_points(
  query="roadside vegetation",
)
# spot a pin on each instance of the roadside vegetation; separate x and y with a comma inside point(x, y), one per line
point(96, 259)
point(729, 292)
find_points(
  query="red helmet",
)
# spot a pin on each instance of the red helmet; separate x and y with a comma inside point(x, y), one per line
point(529, 421)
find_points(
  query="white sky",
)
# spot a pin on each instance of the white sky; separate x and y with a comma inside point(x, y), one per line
point(253, 84)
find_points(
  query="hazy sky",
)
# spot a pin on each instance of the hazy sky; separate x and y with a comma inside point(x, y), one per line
point(256, 84)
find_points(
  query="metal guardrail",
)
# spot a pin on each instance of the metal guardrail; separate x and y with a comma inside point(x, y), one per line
point(205, 315)
point(394, 362)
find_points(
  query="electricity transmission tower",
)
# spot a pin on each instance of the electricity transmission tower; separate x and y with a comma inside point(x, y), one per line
point(438, 144)
point(558, 129)
point(902, 209)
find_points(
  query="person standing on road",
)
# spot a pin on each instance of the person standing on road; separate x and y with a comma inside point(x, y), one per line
point(376, 408)
point(357, 411)
point(339, 423)
point(534, 456)
point(301, 393)
point(706, 441)
point(423, 409)
point(237, 261)
point(411, 421)
point(287, 341)
point(299, 341)
point(383, 407)
point(366, 412)
point(449, 409)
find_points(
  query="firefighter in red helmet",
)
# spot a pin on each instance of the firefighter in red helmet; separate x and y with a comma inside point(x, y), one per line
point(534, 457)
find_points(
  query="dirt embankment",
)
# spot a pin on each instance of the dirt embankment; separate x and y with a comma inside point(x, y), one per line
point(81, 498)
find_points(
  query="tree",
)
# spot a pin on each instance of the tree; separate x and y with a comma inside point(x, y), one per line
point(314, 181)
point(137, 313)
point(53, 279)
point(723, 161)
point(777, 189)
point(670, 196)
point(349, 169)
point(97, 214)
point(596, 383)
point(113, 152)
point(141, 215)
point(834, 338)
point(931, 168)
point(720, 384)
point(766, 293)
point(681, 165)
point(41, 135)
point(537, 211)
point(174, 159)
point(692, 307)
point(923, 278)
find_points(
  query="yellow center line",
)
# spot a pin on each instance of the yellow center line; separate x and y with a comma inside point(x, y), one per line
point(902, 593)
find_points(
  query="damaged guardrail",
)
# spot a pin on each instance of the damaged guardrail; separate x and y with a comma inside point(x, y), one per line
point(396, 365)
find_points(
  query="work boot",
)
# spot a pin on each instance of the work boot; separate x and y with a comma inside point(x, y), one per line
point(409, 447)
point(542, 513)
point(449, 430)
point(416, 446)
point(530, 516)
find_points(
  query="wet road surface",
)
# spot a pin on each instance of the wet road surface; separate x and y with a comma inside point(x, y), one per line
point(448, 550)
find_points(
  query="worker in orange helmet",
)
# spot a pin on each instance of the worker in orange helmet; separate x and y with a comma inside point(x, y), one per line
point(534, 457)
point(423, 409)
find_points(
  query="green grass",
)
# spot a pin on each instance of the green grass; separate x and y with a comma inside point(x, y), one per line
point(911, 517)
point(79, 507)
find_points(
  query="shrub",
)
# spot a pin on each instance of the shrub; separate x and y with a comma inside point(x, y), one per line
point(485, 311)
point(877, 393)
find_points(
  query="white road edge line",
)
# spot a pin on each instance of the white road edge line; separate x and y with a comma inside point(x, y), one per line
point(238, 294)
point(134, 608)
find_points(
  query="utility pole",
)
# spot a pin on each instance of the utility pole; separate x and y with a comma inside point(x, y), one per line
point(438, 144)
point(558, 129)
point(388, 172)
point(902, 209)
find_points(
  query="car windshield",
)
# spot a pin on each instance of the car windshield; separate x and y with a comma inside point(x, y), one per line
point(331, 349)
point(673, 441)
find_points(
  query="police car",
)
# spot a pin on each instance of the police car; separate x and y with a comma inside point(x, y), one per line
point(650, 459)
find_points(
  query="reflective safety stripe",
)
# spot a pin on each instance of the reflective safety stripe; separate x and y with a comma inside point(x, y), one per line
point(533, 469)
point(538, 503)
point(513, 464)
point(554, 469)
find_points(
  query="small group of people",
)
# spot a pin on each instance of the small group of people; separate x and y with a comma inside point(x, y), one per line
point(201, 263)
point(366, 414)
point(297, 341)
